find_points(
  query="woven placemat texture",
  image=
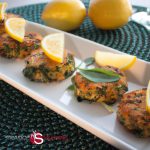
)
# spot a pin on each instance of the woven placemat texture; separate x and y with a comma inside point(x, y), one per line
point(132, 38)
point(21, 115)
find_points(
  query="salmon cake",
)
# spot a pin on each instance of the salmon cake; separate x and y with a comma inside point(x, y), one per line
point(11, 48)
point(40, 68)
point(100, 92)
point(132, 113)
point(8, 15)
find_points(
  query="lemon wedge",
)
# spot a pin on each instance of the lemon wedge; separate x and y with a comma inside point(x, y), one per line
point(53, 46)
point(148, 98)
point(15, 27)
point(3, 7)
point(120, 61)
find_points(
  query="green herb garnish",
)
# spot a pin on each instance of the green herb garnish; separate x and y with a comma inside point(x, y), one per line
point(98, 75)
point(109, 108)
point(88, 61)
point(36, 46)
point(101, 70)
point(71, 87)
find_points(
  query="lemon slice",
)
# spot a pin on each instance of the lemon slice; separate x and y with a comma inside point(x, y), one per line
point(120, 61)
point(3, 7)
point(148, 98)
point(15, 27)
point(53, 46)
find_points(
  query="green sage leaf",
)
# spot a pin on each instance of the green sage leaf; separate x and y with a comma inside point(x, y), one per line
point(70, 87)
point(89, 61)
point(98, 76)
point(101, 70)
point(107, 107)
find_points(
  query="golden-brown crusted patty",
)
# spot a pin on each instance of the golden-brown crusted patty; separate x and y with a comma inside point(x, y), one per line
point(11, 48)
point(8, 15)
point(107, 92)
point(40, 68)
point(132, 113)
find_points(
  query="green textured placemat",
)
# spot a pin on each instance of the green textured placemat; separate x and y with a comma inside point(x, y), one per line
point(132, 38)
point(21, 115)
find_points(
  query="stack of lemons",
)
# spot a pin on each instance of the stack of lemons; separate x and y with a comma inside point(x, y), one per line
point(69, 14)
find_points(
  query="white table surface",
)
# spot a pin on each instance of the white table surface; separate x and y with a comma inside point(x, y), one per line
point(16, 3)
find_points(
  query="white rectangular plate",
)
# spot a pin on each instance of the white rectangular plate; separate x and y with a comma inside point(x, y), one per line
point(92, 117)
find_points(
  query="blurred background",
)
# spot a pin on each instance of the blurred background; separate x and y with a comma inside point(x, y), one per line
point(15, 3)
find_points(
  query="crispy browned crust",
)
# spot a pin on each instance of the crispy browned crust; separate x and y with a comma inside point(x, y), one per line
point(11, 48)
point(96, 92)
point(132, 113)
point(40, 68)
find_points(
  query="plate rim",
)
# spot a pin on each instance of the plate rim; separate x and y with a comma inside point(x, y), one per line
point(102, 133)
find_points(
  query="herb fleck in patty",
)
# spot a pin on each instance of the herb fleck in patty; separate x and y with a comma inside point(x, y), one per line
point(100, 92)
point(132, 113)
point(11, 48)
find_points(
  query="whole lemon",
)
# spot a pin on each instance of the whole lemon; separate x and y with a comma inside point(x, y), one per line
point(109, 14)
point(64, 14)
